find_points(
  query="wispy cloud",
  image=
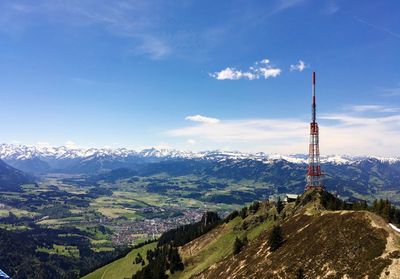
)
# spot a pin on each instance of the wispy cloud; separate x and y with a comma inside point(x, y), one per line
point(137, 20)
point(379, 28)
point(390, 92)
point(282, 5)
point(340, 133)
point(331, 7)
point(152, 46)
point(260, 69)
point(372, 108)
point(202, 119)
point(300, 66)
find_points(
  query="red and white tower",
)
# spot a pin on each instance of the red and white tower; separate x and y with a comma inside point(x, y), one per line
point(314, 174)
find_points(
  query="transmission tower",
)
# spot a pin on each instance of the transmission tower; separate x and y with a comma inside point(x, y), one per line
point(314, 174)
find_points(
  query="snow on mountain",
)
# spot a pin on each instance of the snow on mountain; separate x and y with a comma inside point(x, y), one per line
point(25, 152)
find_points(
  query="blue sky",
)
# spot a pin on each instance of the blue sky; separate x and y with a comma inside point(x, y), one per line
point(201, 74)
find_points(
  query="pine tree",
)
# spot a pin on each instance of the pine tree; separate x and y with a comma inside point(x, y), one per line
point(138, 258)
point(375, 206)
point(275, 238)
point(237, 246)
point(279, 205)
point(175, 260)
point(243, 212)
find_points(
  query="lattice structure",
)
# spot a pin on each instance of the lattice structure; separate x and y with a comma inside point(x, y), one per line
point(314, 173)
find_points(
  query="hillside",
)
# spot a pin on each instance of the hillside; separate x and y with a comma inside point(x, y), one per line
point(11, 179)
point(316, 242)
point(330, 244)
point(121, 268)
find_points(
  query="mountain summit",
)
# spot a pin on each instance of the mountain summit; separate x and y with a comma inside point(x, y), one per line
point(317, 243)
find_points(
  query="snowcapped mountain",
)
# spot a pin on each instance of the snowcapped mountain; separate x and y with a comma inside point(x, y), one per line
point(25, 152)
point(43, 159)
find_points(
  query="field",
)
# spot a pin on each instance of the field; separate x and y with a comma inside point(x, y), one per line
point(99, 219)
point(67, 251)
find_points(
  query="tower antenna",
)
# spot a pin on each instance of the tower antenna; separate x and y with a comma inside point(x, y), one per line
point(314, 174)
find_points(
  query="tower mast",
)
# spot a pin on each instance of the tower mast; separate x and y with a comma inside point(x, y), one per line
point(314, 174)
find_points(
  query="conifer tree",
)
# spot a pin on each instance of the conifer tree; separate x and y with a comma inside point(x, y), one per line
point(243, 212)
point(275, 238)
point(279, 205)
point(237, 246)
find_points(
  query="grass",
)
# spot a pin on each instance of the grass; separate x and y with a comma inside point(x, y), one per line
point(215, 251)
point(221, 246)
point(95, 233)
point(18, 212)
point(102, 249)
point(101, 245)
point(257, 230)
point(117, 212)
point(52, 222)
point(12, 227)
point(99, 241)
point(122, 268)
point(68, 251)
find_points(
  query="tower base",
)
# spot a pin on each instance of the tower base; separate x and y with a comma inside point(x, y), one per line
point(320, 188)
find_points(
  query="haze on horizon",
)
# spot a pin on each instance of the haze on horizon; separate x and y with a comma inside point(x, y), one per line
point(190, 75)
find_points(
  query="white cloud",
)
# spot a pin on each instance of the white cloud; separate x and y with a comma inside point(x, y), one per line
point(244, 130)
point(340, 133)
point(300, 66)
point(372, 108)
point(233, 74)
point(264, 61)
point(269, 72)
point(191, 141)
point(261, 69)
point(202, 119)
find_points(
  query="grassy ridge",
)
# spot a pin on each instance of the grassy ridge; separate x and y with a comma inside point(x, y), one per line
point(121, 268)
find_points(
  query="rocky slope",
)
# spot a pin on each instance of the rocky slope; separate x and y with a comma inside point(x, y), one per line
point(332, 245)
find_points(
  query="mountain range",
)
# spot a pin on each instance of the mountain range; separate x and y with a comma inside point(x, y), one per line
point(246, 175)
point(47, 158)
